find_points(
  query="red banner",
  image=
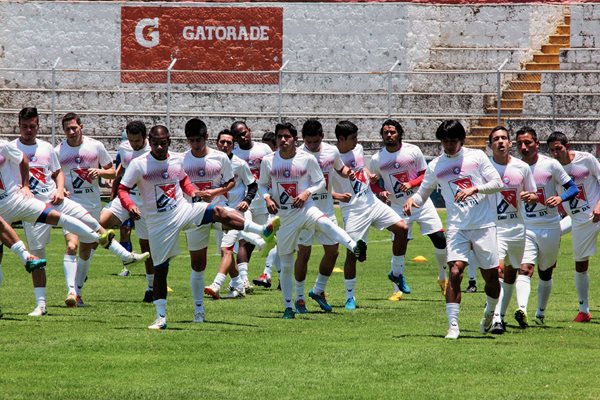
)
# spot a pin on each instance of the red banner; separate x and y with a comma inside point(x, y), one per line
point(239, 39)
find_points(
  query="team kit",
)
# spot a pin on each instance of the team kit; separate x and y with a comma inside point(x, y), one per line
point(506, 215)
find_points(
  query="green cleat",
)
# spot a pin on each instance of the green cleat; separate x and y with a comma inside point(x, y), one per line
point(270, 230)
point(289, 313)
point(106, 238)
point(33, 263)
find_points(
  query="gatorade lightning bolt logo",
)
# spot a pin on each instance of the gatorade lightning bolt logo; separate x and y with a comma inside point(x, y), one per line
point(580, 200)
point(165, 196)
point(82, 176)
point(287, 191)
point(361, 180)
point(509, 199)
point(541, 200)
point(399, 179)
point(36, 177)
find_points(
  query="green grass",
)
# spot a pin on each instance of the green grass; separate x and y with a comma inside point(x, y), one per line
point(245, 350)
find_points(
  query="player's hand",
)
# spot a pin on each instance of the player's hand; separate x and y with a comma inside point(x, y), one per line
point(93, 173)
point(299, 201)
point(462, 194)
point(67, 193)
point(342, 197)
point(373, 178)
point(553, 201)
point(206, 195)
point(384, 196)
point(596, 213)
point(271, 206)
point(135, 213)
point(351, 174)
point(529, 197)
point(243, 206)
point(58, 198)
point(410, 203)
point(26, 192)
point(405, 186)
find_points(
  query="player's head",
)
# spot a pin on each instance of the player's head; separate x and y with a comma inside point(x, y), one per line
point(527, 130)
point(452, 134)
point(312, 134)
point(499, 140)
point(160, 141)
point(28, 125)
point(225, 141)
point(346, 134)
point(391, 132)
point(196, 134)
point(558, 146)
point(286, 136)
point(72, 126)
point(136, 134)
point(243, 134)
point(270, 139)
point(528, 144)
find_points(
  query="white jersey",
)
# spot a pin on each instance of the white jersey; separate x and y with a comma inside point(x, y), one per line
point(330, 161)
point(243, 177)
point(254, 157)
point(127, 153)
point(287, 178)
point(158, 182)
point(585, 172)
point(549, 175)
point(43, 163)
point(76, 162)
point(208, 172)
point(467, 168)
point(397, 168)
point(10, 177)
point(359, 187)
point(516, 177)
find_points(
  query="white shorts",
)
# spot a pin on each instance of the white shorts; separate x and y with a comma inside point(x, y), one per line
point(117, 209)
point(163, 230)
point(541, 245)
point(307, 237)
point(21, 208)
point(584, 237)
point(292, 224)
point(426, 217)
point(510, 249)
point(199, 237)
point(357, 221)
point(481, 241)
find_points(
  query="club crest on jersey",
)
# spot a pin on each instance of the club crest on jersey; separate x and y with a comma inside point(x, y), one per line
point(396, 165)
point(201, 172)
point(287, 191)
point(78, 160)
point(286, 173)
point(456, 170)
point(165, 174)
point(506, 180)
point(165, 196)
point(33, 158)
point(353, 164)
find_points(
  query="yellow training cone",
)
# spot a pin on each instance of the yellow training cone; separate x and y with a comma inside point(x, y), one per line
point(169, 289)
point(419, 259)
point(338, 269)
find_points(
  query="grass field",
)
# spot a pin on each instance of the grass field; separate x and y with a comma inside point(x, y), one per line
point(245, 350)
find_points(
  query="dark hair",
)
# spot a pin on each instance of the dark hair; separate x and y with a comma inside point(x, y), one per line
point(235, 125)
point(394, 123)
point(345, 129)
point(70, 116)
point(28, 113)
point(554, 136)
point(136, 128)
point(451, 129)
point(157, 129)
point(286, 125)
point(224, 132)
point(527, 130)
point(269, 136)
point(312, 127)
point(496, 129)
point(195, 127)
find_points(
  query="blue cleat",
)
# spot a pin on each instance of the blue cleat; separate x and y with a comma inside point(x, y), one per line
point(350, 304)
point(399, 280)
point(34, 263)
point(289, 313)
point(301, 307)
point(320, 299)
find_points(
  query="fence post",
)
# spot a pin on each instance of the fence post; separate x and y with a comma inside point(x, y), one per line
point(169, 93)
point(53, 106)
point(389, 91)
point(280, 97)
point(499, 89)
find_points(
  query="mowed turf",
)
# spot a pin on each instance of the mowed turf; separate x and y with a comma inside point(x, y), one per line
point(244, 350)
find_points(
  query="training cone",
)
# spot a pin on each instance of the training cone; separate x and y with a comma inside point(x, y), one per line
point(338, 269)
point(419, 259)
point(169, 289)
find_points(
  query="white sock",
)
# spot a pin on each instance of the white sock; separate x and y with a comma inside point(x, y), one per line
point(350, 284)
point(150, 281)
point(40, 295)
point(70, 268)
point(197, 284)
point(117, 249)
point(320, 283)
point(161, 308)
point(334, 232)
point(20, 250)
point(253, 227)
point(243, 268)
point(582, 284)
point(508, 290)
point(73, 225)
point(220, 280)
point(83, 267)
point(398, 265)
point(544, 289)
point(300, 290)
point(523, 288)
point(440, 256)
point(490, 305)
point(287, 279)
point(452, 310)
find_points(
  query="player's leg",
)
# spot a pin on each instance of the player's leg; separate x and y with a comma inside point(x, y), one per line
point(317, 293)
point(549, 246)
point(438, 239)
point(161, 272)
point(198, 264)
point(70, 268)
point(149, 270)
point(300, 270)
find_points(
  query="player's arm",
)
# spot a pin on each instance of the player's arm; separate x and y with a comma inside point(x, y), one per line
point(428, 185)
point(569, 192)
point(119, 174)
point(264, 182)
point(406, 186)
point(24, 170)
point(528, 194)
point(59, 195)
point(316, 178)
point(130, 179)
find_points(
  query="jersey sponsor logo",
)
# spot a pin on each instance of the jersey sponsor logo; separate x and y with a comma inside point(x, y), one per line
point(287, 191)
point(463, 183)
point(37, 177)
point(507, 203)
point(580, 201)
point(532, 209)
point(360, 182)
point(397, 181)
point(203, 185)
point(81, 180)
point(165, 196)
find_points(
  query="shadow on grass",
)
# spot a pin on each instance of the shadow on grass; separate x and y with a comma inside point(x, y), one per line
point(441, 336)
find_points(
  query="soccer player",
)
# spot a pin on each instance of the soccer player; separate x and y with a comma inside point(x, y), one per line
point(114, 215)
point(252, 153)
point(330, 163)
point(401, 166)
point(293, 178)
point(46, 181)
point(542, 224)
point(584, 210)
point(361, 209)
point(239, 198)
point(519, 188)
point(466, 177)
point(162, 181)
